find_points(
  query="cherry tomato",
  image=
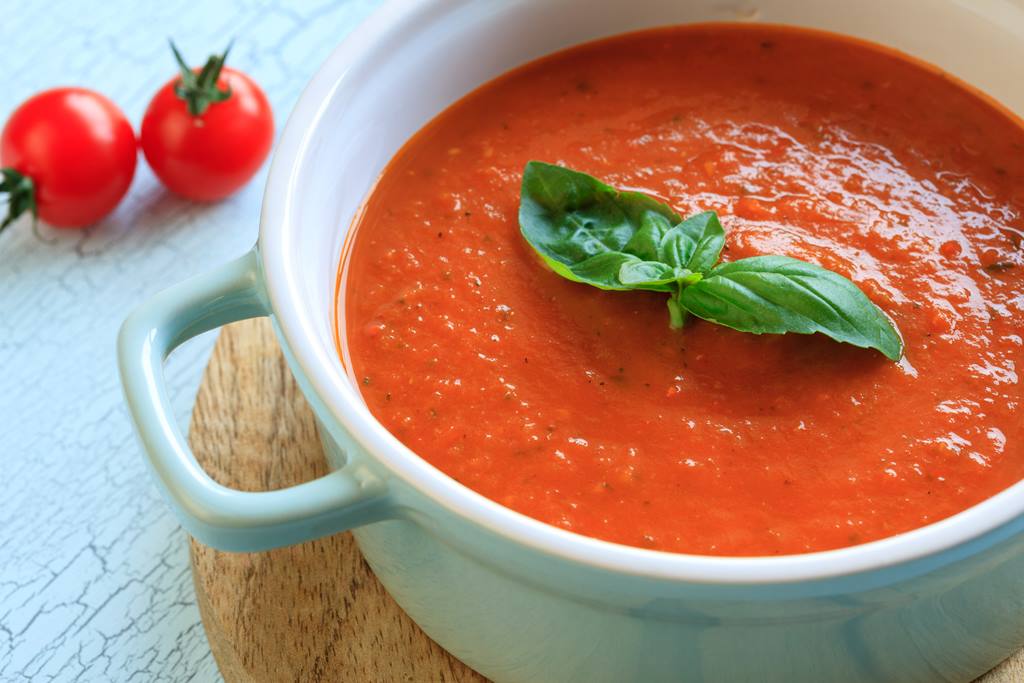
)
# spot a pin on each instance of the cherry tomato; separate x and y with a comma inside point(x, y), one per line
point(68, 156)
point(207, 131)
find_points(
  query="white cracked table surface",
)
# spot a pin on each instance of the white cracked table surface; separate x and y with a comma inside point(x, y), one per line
point(94, 573)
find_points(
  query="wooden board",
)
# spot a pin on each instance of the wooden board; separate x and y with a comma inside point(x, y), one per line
point(313, 612)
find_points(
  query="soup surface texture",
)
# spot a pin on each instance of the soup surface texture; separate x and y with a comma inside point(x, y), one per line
point(581, 408)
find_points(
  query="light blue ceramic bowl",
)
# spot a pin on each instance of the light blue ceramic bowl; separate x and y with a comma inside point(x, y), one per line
point(516, 599)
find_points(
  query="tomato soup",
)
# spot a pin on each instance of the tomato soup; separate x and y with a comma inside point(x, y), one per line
point(583, 409)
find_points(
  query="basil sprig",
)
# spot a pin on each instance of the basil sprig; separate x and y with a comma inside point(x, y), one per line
point(590, 232)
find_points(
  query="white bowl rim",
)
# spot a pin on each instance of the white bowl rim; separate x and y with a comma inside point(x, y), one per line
point(343, 401)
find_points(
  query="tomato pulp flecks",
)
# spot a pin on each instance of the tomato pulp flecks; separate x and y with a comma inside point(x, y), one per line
point(583, 409)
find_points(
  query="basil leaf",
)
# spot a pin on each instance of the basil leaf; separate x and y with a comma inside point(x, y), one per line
point(635, 273)
point(647, 241)
point(599, 271)
point(694, 244)
point(571, 218)
point(778, 294)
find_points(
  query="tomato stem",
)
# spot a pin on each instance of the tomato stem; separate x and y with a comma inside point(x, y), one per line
point(21, 195)
point(200, 90)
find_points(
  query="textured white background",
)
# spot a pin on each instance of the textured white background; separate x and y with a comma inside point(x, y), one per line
point(94, 576)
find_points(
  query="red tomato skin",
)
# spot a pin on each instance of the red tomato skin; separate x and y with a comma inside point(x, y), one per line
point(79, 150)
point(208, 157)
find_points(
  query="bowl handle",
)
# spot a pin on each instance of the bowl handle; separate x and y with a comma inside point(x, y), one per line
point(216, 515)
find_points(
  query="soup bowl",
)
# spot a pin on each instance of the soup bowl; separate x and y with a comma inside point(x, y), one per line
point(514, 598)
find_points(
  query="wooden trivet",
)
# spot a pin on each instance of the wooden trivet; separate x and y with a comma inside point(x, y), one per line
point(313, 612)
